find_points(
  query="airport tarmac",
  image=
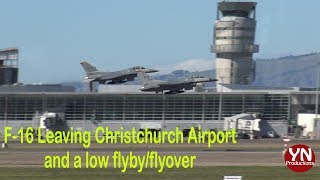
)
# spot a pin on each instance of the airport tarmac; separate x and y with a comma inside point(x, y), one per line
point(27, 159)
point(244, 153)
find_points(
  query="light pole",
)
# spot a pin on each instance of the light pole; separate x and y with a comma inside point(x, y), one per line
point(317, 94)
point(317, 106)
point(220, 104)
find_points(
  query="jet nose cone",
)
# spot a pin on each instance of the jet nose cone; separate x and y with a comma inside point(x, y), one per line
point(212, 79)
point(151, 71)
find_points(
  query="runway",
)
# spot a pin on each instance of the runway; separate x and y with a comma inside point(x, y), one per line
point(203, 158)
point(267, 152)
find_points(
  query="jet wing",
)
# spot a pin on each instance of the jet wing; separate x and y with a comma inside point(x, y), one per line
point(173, 88)
point(117, 77)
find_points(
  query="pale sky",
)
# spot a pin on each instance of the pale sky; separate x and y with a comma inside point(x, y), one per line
point(54, 36)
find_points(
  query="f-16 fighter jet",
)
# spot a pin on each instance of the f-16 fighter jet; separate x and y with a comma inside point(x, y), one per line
point(171, 87)
point(115, 77)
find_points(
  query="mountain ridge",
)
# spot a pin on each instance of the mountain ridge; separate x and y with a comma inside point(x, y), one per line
point(287, 71)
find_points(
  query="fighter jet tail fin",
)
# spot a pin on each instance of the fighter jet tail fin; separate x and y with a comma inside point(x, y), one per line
point(88, 67)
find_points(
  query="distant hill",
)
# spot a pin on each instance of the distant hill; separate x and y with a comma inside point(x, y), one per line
point(289, 71)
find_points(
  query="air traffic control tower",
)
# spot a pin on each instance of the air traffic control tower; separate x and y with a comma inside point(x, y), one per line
point(234, 35)
point(8, 66)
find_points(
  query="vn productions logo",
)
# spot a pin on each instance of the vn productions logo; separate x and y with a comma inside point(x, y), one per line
point(300, 158)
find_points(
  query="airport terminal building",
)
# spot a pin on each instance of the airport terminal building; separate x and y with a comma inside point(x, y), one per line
point(85, 111)
point(143, 107)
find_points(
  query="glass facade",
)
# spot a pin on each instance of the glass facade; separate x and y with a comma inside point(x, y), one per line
point(143, 107)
